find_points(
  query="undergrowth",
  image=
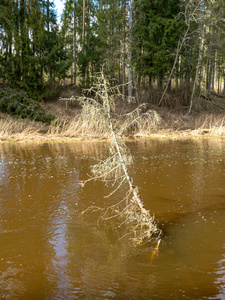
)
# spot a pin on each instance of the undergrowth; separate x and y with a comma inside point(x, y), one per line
point(18, 104)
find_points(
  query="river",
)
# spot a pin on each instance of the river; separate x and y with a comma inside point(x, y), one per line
point(49, 250)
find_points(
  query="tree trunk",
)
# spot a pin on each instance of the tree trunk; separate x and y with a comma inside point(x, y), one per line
point(83, 28)
point(177, 76)
point(17, 43)
point(83, 43)
point(124, 53)
point(74, 44)
point(199, 63)
point(224, 82)
point(23, 38)
point(213, 71)
point(187, 87)
point(160, 83)
point(179, 47)
point(218, 76)
point(209, 76)
point(149, 87)
point(48, 16)
point(124, 67)
point(130, 67)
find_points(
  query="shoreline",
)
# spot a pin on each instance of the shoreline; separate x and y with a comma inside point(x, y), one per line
point(165, 135)
point(70, 126)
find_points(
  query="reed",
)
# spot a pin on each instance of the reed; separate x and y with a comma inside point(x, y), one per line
point(78, 127)
point(213, 124)
point(18, 129)
point(135, 124)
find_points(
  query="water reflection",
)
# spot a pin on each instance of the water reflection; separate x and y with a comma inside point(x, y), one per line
point(59, 242)
point(48, 251)
point(220, 280)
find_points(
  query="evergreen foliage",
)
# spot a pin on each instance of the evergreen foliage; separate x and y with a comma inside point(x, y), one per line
point(156, 35)
point(18, 104)
point(135, 40)
point(32, 52)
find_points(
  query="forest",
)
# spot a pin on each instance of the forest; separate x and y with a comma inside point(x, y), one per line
point(112, 132)
point(163, 52)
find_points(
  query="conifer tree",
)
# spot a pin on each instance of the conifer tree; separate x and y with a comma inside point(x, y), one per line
point(156, 34)
point(133, 39)
point(31, 44)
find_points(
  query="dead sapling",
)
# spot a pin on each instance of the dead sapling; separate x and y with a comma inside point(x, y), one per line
point(130, 212)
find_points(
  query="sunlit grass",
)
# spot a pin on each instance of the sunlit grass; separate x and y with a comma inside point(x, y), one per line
point(151, 124)
point(18, 129)
point(210, 123)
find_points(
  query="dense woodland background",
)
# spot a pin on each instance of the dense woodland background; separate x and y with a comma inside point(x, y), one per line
point(155, 48)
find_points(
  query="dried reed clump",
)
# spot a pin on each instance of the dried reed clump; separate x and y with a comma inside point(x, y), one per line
point(210, 123)
point(91, 123)
point(80, 126)
point(18, 129)
point(140, 121)
point(147, 123)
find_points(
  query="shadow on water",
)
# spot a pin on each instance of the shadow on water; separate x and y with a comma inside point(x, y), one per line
point(169, 219)
point(48, 251)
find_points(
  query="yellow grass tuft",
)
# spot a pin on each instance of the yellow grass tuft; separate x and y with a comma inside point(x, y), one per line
point(18, 129)
point(212, 124)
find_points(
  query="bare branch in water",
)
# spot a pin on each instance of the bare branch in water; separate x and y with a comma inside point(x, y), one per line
point(130, 212)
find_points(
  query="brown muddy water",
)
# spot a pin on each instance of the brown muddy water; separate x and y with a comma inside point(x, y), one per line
point(48, 251)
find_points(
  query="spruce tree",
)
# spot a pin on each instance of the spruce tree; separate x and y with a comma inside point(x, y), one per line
point(156, 34)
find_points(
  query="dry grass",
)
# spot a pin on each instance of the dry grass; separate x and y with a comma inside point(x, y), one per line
point(173, 125)
point(156, 121)
point(213, 124)
point(78, 127)
point(87, 127)
point(161, 123)
point(143, 125)
point(18, 129)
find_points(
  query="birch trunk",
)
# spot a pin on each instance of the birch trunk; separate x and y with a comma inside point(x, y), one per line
point(218, 76)
point(179, 47)
point(199, 63)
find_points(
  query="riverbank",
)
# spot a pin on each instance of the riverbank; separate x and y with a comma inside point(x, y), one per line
point(71, 123)
point(157, 123)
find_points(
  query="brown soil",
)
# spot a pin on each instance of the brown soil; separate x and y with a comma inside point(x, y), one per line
point(60, 107)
